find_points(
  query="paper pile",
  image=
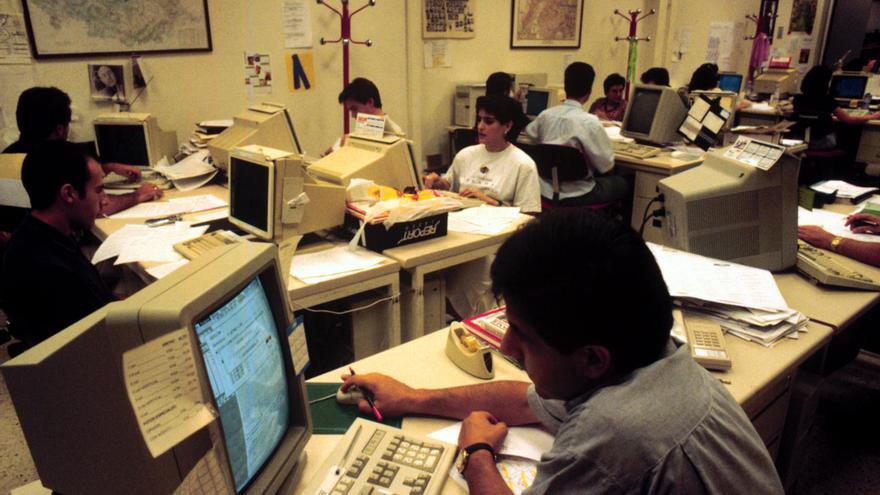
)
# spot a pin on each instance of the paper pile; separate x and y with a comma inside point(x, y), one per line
point(331, 263)
point(745, 301)
point(190, 173)
point(139, 243)
point(485, 219)
point(843, 189)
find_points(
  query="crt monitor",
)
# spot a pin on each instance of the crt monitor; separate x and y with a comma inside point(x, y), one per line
point(848, 86)
point(133, 139)
point(387, 161)
point(654, 114)
point(70, 395)
point(540, 99)
point(733, 211)
point(729, 81)
point(266, 124)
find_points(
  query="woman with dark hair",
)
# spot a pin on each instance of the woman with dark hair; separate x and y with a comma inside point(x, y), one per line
point(816, 99)
point(705, 78)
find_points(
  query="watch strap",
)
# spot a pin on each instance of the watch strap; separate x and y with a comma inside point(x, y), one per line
point(470, 449)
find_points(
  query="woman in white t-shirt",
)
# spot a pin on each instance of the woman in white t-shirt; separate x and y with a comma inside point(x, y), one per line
point(499, 174)
point(494, 171)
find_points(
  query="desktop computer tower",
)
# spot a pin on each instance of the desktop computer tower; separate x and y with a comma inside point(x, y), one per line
point(465, 104)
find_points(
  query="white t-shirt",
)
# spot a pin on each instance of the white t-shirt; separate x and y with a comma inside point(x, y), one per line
point(509, 176)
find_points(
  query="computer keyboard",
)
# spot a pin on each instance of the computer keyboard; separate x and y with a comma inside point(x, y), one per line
point(819, 266)
point(376, 459)
point(634, 150)
point(857, 112)
point(198, 246)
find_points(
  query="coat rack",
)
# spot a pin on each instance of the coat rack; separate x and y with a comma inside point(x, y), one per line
point(633, 20)
point(345, 39)
point(765, 23)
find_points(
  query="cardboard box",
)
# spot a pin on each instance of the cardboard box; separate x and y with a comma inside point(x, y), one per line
point(377, 238)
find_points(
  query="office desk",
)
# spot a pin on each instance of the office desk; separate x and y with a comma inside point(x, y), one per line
point(759, 381)
point(647, 172)
point(426, 257)
point(869, 143)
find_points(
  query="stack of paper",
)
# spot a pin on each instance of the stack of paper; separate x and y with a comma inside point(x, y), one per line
point(843, 189)
point(745, 301)
point(136, 243)
point(331, 263)
point(175, 206)
point(485, 219)
point(189, 173)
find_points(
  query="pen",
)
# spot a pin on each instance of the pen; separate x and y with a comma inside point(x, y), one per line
point(369, 396)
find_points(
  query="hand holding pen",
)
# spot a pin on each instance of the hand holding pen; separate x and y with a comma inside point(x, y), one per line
point(368, 395)
point(395, 398)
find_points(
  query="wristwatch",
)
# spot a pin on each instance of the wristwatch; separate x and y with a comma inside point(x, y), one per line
point(835, 243)
point(461, 461)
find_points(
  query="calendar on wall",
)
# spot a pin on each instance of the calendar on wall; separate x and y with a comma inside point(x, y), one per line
point(447, 19)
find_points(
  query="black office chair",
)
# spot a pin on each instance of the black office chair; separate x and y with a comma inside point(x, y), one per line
point(557, 164)
point(462, 138)
point(817, 164)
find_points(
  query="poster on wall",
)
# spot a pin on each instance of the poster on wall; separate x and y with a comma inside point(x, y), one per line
point(65, 28)
point(297, 22)
point(257, 73)
point(803, 15)
point(447, 19)
point(13, 39)
point(300, 71)
point(546, 23)
point(719, 48)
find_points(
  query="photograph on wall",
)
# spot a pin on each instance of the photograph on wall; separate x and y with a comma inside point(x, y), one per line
point(447, 19)
point(803, 15)
point(107, 82)
point(65, 28)
point(13, 40)
point(257, 73)
point(546, 23)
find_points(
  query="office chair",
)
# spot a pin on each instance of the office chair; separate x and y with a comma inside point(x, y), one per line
point(556, 164)
point(817, 164)
point(462, 138)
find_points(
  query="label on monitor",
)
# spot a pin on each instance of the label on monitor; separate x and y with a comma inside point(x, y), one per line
point(299, 350)
point(756, 153)
point(369, 126)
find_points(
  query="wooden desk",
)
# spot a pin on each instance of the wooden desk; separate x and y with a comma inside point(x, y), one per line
point(426, 257)
point(647, 173)
point(760, 381)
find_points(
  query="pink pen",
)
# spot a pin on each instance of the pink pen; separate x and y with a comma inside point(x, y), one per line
point(369, 396)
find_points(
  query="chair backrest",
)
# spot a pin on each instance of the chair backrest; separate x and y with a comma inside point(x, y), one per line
point(569, 162)
point(462, 138)
point(806, 120)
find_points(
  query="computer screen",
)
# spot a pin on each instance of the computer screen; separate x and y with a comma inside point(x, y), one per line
point(387, 161)
point(242, 354)
point(133, 139)
point(735, 211)
point(266, 124)
point(232, 303)
point(851, 87)
point(654, 114)
point(249, 199)
point(730, 82)
point(536, 101)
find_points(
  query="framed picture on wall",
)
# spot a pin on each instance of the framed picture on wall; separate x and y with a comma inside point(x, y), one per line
point(447, 19)
point(546, 23)
point(69, 28)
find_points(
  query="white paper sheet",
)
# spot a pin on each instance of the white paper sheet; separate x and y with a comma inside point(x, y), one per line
point(194, 165)
point(833, 223)
point(151, 209)
point(200, 203)
point(844, 189)
point(184, 185)
point(312, 267)
point(137, 242)
point(522, 441)
point(210, 216)
point(164, 390)
point(161, 271)
point(485, 219)
point(297, 23)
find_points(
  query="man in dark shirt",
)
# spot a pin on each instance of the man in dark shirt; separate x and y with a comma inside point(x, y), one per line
point(47, 283)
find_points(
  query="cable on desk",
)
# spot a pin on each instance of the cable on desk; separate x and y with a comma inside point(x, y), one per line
point(352, 310)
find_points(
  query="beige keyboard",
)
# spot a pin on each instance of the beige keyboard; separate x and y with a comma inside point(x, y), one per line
point(200, 245)
point(635, 150)
point(821, 267)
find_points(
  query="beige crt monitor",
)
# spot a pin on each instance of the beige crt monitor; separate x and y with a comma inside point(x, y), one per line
point(729, 210)
point(12, 192)
point(387, 161)
point(266, 124)
point(70, 396)
point(654, 114)
point(770, 81)
point(133, 139)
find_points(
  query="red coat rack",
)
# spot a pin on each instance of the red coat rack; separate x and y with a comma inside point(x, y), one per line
point(633, 40)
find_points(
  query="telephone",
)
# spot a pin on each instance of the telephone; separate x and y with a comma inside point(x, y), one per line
point(468, 353)
point(706, 341)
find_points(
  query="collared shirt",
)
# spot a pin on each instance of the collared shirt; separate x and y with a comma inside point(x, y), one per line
point(669, 427)
point(606, 109)
point(570, 125)
point(47, 283)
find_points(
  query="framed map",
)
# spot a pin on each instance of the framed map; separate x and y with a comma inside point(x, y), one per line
point(67, 28)
point(546, 23)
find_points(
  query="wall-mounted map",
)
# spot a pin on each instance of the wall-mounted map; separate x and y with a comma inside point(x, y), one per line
point(59, 28)
point(546, 23)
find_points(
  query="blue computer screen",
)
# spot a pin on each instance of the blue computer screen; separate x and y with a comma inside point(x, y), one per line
point(730, 82)
point(536, 102)
point(243, 358)
point(852, 87)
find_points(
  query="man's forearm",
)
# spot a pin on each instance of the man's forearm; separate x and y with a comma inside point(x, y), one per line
point(483, 477)
point(506, 400)
point(120, 202)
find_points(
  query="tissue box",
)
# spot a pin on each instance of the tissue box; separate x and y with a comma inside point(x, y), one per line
point(377, 238)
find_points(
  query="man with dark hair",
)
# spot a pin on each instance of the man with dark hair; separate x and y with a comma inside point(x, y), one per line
point(630, 412)
point(362, 96)
point(570, 125)
point(657, 76)
point(47, 283)
point(612, 106)
point(43, 114)
point(500, 83)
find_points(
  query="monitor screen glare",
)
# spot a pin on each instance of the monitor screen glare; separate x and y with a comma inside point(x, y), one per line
point(536, 102)
point(243, 358)
point(248, 196)
point(852, 87)
point(122, 144)
point(644, 106)
point(730, 82)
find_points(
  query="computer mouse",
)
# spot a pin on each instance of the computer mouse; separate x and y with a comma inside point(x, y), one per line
point(352, 396)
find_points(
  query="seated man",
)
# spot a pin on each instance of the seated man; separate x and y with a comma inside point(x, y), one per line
point(860, 223)
point(612, 106)
point(631, 413)
point(362, 96)
point(43, 114)
point(47, 283)
point(570, 125)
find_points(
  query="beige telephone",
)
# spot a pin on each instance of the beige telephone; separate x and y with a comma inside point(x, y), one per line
point(467, 353)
